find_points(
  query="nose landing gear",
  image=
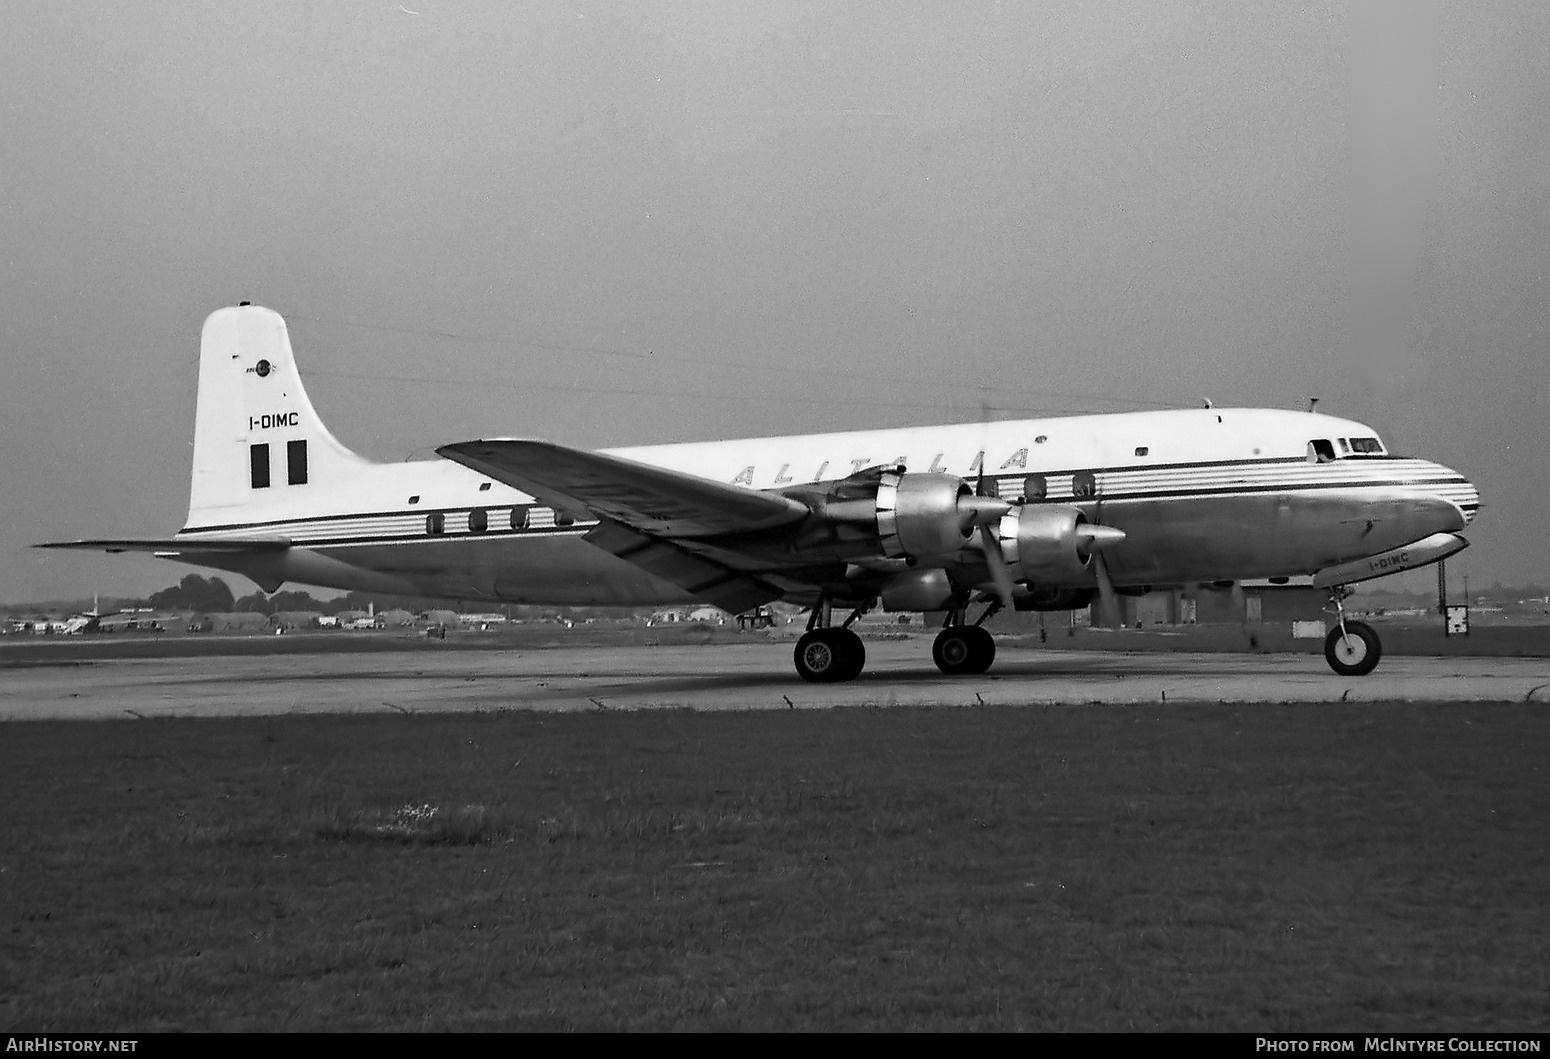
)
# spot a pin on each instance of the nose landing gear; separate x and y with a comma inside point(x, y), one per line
point(1352, 649)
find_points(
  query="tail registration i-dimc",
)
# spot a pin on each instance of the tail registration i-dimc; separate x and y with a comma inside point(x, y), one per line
point(967, 519)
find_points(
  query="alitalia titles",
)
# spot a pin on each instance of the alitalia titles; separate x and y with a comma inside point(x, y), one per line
point(1016, 461)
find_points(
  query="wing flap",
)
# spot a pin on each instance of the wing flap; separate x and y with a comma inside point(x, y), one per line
point(703, 578)
point(658, 502)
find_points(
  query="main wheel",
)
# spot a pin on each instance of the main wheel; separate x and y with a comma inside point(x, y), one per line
point(963, 649)
point(828, 656)
point(852, 651)
point(1354, 653)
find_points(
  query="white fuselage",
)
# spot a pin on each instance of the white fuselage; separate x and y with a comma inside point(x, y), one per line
point(1206, 494)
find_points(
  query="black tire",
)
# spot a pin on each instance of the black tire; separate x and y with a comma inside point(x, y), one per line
point(852, 651)
point(963, 649)
point(1356, 653)
point(984, 650)
point(829, 656)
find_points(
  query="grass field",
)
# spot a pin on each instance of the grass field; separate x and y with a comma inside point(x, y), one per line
point(1216, 868)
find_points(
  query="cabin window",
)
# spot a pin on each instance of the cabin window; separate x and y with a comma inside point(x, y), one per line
point(1367, 446)
point(484, 487)
point(1035, 487)
point(435, 523)
point(564, 518)
point(1084, 484)
point(296, 462)
point(415, 499)
point(478, 520)
point(1320, 451)
point(1345, 446)
point(519, 517)
point(1142, 450)
point(258, 465)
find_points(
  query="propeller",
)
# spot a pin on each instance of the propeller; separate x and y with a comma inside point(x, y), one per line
point(1101, 536)
point(990, 546)
point(1108, 599)
point(1000, 573)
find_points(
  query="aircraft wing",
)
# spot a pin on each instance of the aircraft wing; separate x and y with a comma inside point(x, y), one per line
point(166, 548)
point(658, 503)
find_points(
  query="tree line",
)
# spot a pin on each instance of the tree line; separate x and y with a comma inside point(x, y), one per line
point(212, 595)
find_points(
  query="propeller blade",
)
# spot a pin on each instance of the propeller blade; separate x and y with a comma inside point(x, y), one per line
point(1108, 599)
point(999, 572)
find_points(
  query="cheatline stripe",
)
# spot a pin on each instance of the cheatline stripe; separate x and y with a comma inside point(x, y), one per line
point(381, 528)
point(1281, 468)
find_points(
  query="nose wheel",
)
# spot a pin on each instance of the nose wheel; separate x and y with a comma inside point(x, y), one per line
point(1352, 649)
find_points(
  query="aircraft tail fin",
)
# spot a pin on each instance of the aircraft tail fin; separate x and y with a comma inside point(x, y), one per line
point(260, 449)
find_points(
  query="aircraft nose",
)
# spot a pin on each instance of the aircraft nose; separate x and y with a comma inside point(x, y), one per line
point(1459, 491)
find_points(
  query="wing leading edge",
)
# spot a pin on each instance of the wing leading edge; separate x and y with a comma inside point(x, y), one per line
point(657, 519)
point(652, 500)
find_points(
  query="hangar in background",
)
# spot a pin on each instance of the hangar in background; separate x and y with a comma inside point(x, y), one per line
point(1223, 603)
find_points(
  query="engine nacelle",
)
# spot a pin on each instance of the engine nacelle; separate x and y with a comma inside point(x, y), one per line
point(913, 516)
point(921, 589)
point(1047, 598)
point(921, 515)
point(1042, 545)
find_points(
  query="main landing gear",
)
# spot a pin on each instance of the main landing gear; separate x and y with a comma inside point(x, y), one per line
point(1352, 649)
point(830, 654)
point(964, 649)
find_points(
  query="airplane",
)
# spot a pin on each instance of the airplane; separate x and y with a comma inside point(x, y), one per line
point(87, 620)
point(1040, 514)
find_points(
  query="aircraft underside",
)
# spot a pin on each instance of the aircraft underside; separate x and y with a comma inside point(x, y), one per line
point(1169, 542)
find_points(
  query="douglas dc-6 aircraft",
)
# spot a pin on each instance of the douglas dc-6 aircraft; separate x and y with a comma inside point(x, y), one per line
point(1040, 514)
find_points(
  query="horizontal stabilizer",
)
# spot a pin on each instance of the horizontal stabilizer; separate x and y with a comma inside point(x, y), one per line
point(658, 502)
point(174, 547)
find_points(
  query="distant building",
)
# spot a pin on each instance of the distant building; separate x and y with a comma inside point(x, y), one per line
point(286, 620)
point(230, 622)
point(698, 612)
point(129, 619)
point(1246, 603)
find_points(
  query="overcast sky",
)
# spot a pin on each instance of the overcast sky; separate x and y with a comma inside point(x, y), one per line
point(607, 224)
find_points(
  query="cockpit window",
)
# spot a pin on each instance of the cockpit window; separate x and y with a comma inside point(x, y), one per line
point(1367, 446)
point(1321, 451)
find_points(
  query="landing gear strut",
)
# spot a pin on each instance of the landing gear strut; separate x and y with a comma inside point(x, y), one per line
point(1352, 649)
point(827, 654)
point(964, 649)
